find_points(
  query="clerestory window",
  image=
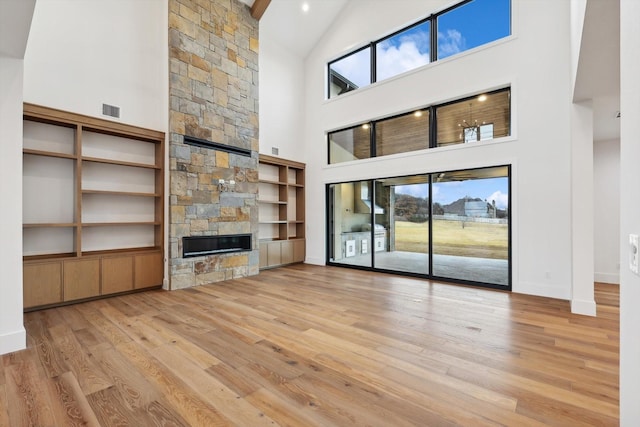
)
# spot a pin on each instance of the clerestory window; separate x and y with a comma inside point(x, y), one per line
point(464, 26)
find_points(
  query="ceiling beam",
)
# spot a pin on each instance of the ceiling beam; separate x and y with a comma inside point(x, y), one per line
point(258, 8)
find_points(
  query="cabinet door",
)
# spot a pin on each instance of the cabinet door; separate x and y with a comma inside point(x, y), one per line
point(81, 279)
point(286, 252)
point(149, 270)
point(42, 284)
point(298, 250)
point(117, 274)
point(263, 254)
point(273, 254)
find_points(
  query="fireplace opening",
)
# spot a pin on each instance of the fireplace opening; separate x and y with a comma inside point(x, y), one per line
point(210, 245)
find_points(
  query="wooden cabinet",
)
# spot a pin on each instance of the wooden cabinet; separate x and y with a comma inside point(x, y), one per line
point(149, 270)
point(281, 200)
point(117, 274)
point(44, 283)
point(93, 203)
point(81, 278)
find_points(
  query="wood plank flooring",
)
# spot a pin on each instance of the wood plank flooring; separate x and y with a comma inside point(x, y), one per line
point(317, 346)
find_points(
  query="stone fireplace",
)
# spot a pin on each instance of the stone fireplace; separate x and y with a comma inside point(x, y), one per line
point(213, 88)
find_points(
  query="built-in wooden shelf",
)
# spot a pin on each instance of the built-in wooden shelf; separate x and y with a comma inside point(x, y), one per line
point(120, 223)
point(50, 224)
point(49, 154)
point(119, 163)
point(282, 211)
point(65, 260)
point(121, 193)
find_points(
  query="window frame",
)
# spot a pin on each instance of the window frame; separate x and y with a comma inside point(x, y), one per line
point(329, 208)
point(432, 129)
point(372, 142)
point(433, 44)
point(353, 52)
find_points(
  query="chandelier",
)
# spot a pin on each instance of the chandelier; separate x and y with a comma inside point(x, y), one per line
point(469, 130)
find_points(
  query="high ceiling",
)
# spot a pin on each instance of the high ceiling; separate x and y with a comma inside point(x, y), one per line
point(15, 22)
point(599, 69)
point(297, 30)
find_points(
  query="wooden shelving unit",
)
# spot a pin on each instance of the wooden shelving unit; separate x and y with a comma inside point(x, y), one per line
point(93, 207)
point(282, 210)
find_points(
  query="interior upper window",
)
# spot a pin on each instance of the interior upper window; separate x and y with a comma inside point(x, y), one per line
point(409, 132)
point(479, 118)
point(350, 144)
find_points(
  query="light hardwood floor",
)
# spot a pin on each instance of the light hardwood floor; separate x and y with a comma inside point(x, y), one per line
point(317, 346)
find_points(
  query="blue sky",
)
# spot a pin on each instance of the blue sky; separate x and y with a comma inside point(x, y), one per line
point(447, 192)
point(477, 22)
point(471, 25)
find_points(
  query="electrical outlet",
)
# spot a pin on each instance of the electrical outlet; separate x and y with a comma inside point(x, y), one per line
point(633, 252)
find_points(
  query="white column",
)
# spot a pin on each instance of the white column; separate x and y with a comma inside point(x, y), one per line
point(582, 301)
point(629, 212)
point(12, 333)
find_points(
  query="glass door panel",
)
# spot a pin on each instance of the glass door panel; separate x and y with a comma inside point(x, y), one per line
point(401, 230)
point(470, 215)
point(350, 206)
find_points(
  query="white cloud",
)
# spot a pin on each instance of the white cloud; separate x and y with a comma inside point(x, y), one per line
point(393, 60)
point(502, 200)
point(355, 68)
point(402, 53)
point(415, 190)
point(450, 42)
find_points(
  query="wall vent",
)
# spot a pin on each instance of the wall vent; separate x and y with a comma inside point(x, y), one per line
point(275, 151)
point(111, 110)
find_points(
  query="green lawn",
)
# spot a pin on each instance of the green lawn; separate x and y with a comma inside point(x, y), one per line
point(450, 238)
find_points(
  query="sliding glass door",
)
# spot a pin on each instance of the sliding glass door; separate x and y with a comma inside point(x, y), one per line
point(402, 240)
point(350, 223)
point(471, 225)
point(452, 225)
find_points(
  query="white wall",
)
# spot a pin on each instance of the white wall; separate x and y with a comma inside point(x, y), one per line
point(15, 21)
point(281, 100)
point(539, 148)
point(606, 165)
point(629, 212)
point(12, 333)
point(82, 54)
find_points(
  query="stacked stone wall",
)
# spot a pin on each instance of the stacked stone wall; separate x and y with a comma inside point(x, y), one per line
point(213, 89)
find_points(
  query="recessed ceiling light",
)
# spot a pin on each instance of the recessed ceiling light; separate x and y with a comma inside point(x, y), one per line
point(482, 98)
point(418, 113)
point(305, 7)
point(365, 126)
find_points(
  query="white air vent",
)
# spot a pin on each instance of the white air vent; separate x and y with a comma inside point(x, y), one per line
point(275, 151)
point(111, 110)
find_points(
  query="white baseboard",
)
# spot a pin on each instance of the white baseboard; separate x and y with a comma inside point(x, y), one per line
point(613, 278)
point(314, 261)
point(588, 308)
point(549, 291)
point(13, 341)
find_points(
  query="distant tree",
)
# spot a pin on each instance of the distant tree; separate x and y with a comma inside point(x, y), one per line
point(406, 205)
point(438, 209)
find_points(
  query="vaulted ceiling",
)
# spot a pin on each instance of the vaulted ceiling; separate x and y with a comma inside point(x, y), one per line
point(297, 25)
